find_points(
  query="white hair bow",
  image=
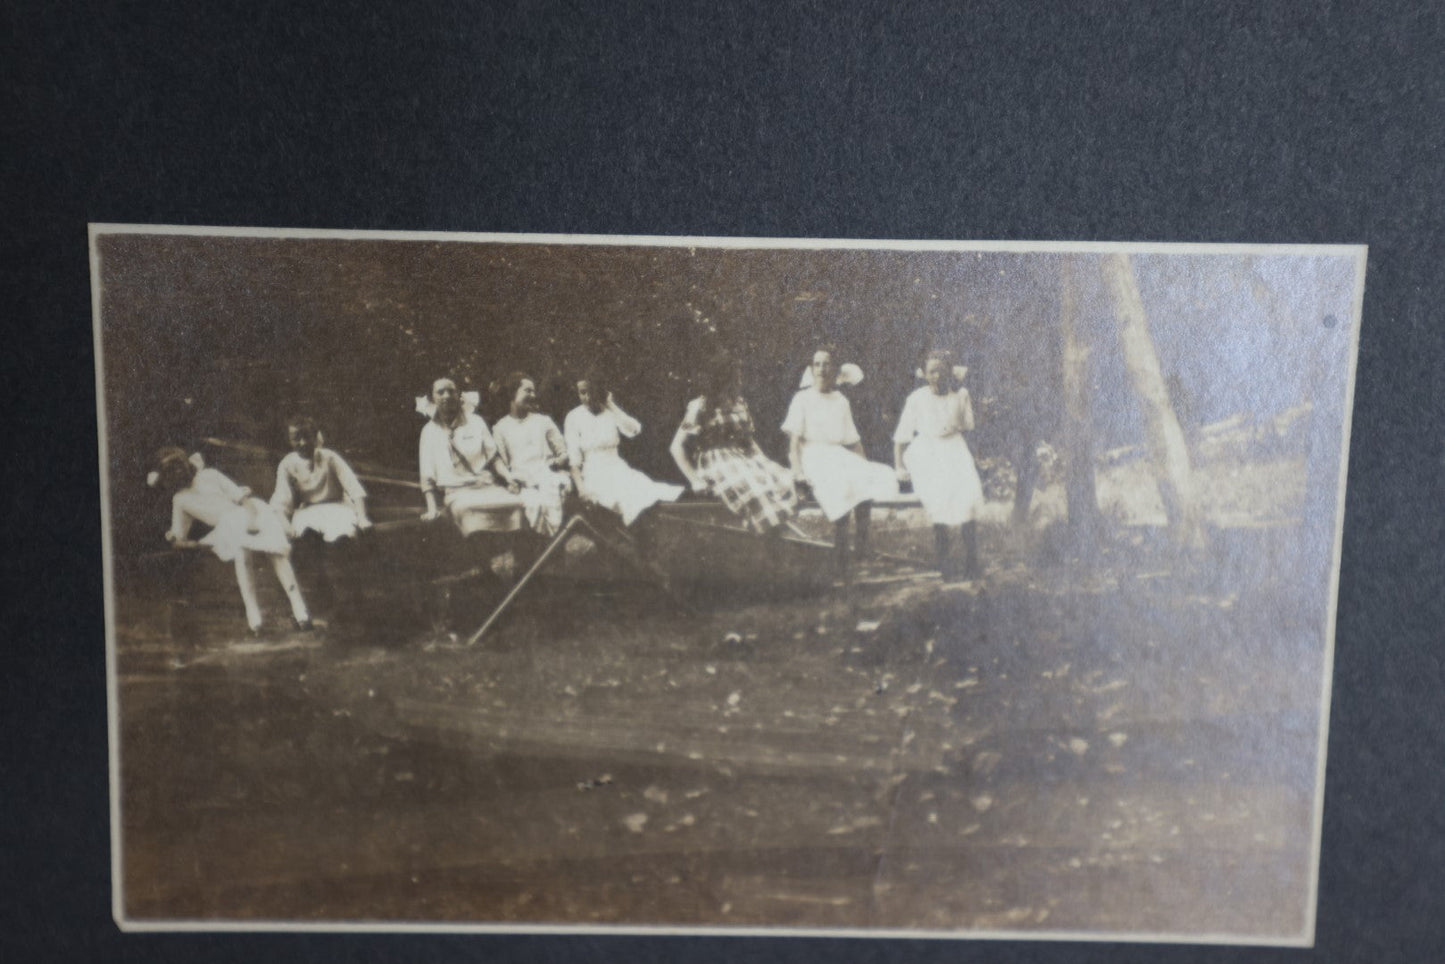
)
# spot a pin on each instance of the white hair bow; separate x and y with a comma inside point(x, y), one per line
point(425, 406)
point(848, 374)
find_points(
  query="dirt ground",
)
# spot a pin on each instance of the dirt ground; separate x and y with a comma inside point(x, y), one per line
point(1122, 742)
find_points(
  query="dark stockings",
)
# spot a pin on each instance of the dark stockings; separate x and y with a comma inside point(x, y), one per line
point(971, 567)
point(862, 517)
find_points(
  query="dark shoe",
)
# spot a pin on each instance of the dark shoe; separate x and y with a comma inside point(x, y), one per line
point(302, 625)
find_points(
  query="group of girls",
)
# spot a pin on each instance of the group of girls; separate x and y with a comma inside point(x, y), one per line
point(516, 475)
point(716, 450)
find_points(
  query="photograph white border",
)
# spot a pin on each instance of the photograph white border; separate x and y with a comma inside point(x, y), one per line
point(97, 230)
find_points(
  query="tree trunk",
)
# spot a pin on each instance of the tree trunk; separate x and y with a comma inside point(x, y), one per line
point(1167, 448)
point(1077, 437)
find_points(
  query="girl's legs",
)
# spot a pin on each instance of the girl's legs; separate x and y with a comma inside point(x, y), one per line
point(247, 584)
point(971, 567)
point(940, 548)
point(840, 547)
point(285, 575)
point(862, 516)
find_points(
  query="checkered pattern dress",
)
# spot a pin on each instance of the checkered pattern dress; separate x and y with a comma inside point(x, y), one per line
point(752, 486)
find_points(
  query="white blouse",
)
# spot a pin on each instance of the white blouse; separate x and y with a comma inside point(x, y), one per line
point(300, 481)
point(530, 441)
point(821, 419)
point(929, 415)
point(586, 431)
point(457, 457)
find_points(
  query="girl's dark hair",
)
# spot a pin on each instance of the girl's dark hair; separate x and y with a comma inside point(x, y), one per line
point(303, 423)
point(172, 456)
point(513, 383)
point(945, 356)
point(830, 348)
point(719, 380)
point(596, 381)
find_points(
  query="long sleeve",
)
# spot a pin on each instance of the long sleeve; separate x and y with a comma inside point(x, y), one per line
point(627, 426)
point(555, 444)
point(965, 408)
point(572, 437)
point(283, 499)
point(350, 484)
point(500, 433)
point(426, 460)
point(691, 418)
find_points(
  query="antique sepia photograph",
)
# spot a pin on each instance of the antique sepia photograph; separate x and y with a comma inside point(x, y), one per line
point(720, 585)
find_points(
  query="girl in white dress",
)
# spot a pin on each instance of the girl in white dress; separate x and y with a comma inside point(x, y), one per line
point(929, 448)
point(593, 431)
point(463, 475)
point(826, 452)
point(241, 525)
point(316, 491)
point(535, 454)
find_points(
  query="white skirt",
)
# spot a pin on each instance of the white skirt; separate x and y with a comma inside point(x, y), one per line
point(231, 534)
point(543, 492)
point(610, 482)
point(945, 479)
point(842, 479)
point(330, 520)
point(485, 508)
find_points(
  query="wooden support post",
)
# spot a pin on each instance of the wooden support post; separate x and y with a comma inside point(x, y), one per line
point(567, 532)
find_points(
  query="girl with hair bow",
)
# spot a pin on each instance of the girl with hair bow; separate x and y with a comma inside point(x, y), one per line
point(241, 525)
point(929, 448)
point(826, 452)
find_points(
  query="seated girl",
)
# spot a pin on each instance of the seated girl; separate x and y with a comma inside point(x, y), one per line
point(462, 470)
point(929, 448)
point(316, 491)
point(535, 454)
point(593, 431)
point(826, 452)
point(715, 450)
point(241, 525)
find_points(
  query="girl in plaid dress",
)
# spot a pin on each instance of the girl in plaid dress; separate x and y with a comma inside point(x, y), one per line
point(715, 449)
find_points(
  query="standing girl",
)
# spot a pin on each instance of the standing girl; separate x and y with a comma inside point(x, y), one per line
point(240, 526)
point(593, 431)
point(715, 450)
point(826, 452)
point(929, 447)
point(536, 455)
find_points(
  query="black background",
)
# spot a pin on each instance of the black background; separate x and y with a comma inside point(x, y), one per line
point(1121, 121)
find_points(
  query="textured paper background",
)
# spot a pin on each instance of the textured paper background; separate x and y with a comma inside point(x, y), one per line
point(1177, 122)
